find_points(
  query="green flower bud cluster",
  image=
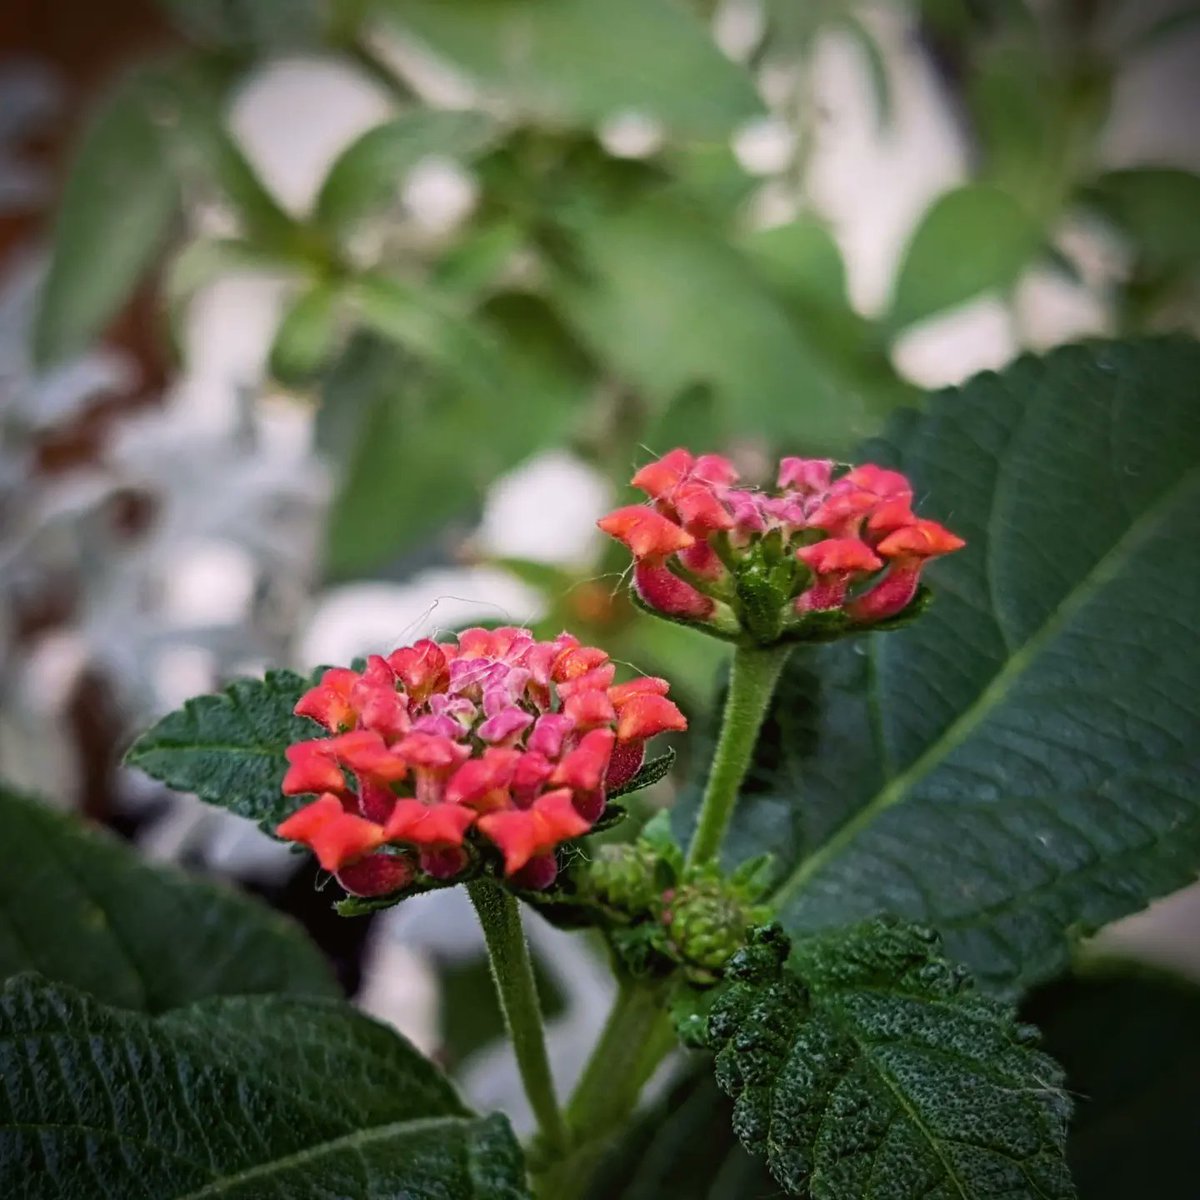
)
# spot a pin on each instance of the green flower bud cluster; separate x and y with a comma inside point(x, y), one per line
point(665, 919)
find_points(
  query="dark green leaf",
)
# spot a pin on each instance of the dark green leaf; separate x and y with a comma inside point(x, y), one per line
point(116, 208)
point(249, 1098)
point(973, 239)
point(80, 908)
point(576, 61)
point(870, 1067)
point(369, 171)
point(228, 748)
point(1019, 765)
point(1129, 1040)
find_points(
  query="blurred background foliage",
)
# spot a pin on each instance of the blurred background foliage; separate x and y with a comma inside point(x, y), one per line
point(558, 236)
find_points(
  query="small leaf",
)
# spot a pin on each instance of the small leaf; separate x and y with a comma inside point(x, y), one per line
point(116, 208)
point(307, 336)
point(870, 1066)
point(973, 239)
point(648, 774)
point(228, 748)
point(368, 173)
point(241, 1098)
point(80, 908)
point(574, 61)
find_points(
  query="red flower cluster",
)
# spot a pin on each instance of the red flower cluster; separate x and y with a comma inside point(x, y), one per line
point(497, 733)
point(823, 542)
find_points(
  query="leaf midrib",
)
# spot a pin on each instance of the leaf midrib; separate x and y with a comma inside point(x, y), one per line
point(1105, 569)
point(356, 1139)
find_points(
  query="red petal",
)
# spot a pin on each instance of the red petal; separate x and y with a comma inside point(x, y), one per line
point(644, 716)
point(583, 768)
point(660, 477)
point(429, 824)
point(645, 685)
point(838, 556)
point(648, 534)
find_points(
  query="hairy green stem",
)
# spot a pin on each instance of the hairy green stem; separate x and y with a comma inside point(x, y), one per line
point(635, 1039)
point(512, 971)
point(751, 685)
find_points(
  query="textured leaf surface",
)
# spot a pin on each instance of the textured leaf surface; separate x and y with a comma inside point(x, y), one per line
point(1129, 1040)
point(576, 61)
point(1020, 765)
point(249, 1098)
point(80, 908)
point(870, 1067)
point(228, 748)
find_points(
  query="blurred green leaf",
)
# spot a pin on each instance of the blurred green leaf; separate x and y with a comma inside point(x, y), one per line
point(239, 24)
point(190, 100)
point(116, 208)
point(81, 908)
point(662, 296)
point(204, 261)
point(368, 173)
point(578, 61)
point(307, 336)
point(973, 239)
point(476, 400)
point(1158, 208)
point(801, 260)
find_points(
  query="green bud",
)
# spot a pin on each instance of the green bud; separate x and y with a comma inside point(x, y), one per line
point(622, 876)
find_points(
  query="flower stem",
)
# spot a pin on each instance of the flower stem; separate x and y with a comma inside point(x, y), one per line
point(512, 972)
point(751, 683)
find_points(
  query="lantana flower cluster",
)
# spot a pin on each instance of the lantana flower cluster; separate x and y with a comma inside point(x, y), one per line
point(445, 752)
point(828, 551)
